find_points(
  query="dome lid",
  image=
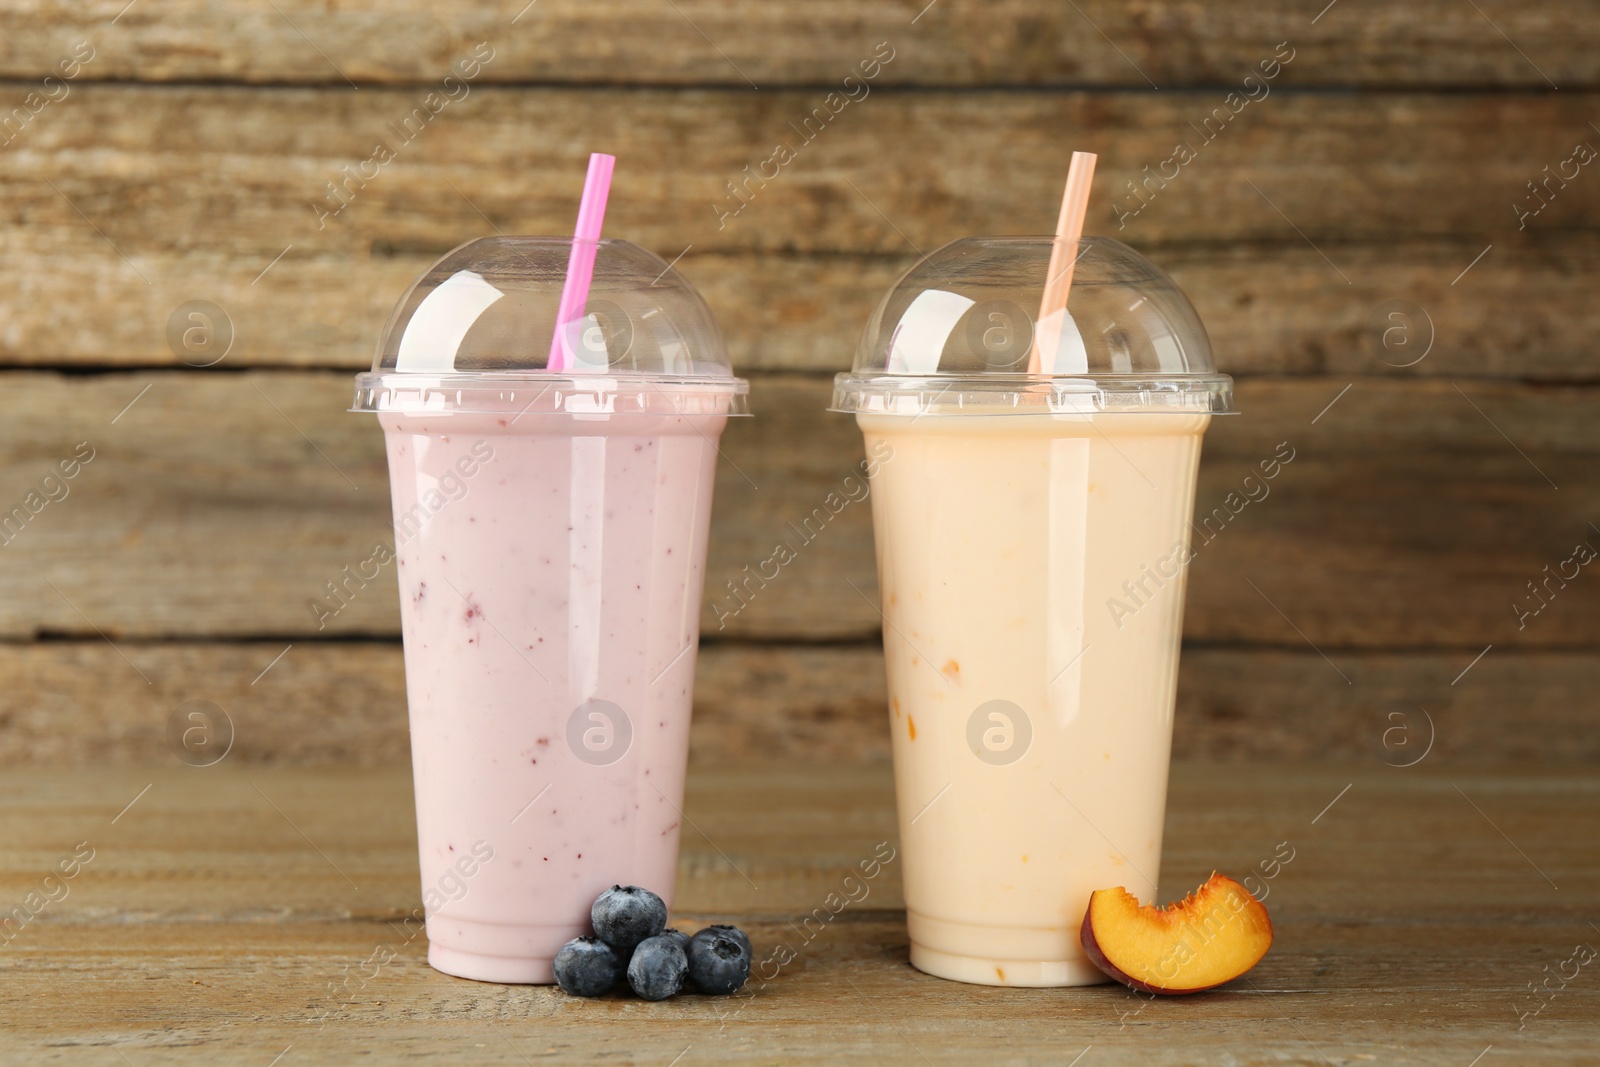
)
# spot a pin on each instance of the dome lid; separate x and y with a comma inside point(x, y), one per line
point(475, 333)
point(959, 332)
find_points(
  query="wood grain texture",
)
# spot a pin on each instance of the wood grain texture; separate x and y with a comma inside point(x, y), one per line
point(1421, 515)
point(1521, 314)
point(125, 202)
point(1360, 618)
point(189, 169)
point(344, 703)
point(207, 930)
point(1401, 709)
point(1010, 42)
point(221, 505)
point(69, 703)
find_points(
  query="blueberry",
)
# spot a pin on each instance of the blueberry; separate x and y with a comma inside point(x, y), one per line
point(658, 967)
point(682, 941)
point(738, 935)
point(587, 967)
point(719, 959)
point(625, 915)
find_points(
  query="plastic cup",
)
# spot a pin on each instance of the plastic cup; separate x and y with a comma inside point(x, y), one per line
point(550, 537)
point(1032, 536)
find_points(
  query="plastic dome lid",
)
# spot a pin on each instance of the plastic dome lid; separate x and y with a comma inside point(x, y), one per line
point(475, 332)
point(958, 332)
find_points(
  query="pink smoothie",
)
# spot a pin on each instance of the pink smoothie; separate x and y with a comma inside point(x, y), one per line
point(546, 563)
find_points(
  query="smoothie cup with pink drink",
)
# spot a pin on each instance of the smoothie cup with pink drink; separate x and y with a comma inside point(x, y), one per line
point(550, 516)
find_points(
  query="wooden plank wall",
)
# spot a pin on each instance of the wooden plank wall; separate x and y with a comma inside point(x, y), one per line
point(1391, 228)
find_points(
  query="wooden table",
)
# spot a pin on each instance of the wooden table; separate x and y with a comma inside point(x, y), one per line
point(232, 915)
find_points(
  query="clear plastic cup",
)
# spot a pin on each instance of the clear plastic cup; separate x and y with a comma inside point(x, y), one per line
point(1032, 537)
point(550, 537)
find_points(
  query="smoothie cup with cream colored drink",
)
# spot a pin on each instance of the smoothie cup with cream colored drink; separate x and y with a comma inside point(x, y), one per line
point(1032, 537)
point(550, 536)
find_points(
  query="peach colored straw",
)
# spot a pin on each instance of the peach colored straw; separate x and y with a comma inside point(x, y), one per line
point(1063, 255)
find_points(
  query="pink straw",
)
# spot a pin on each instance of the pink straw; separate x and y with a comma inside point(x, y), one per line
point(580, 264)
point(1063, 255)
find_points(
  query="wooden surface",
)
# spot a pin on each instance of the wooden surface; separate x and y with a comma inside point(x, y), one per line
point(1405, 519)
point(207, 928)
point(1270, 309)
point(1381, 175)
point(1362, 42)
point(80, 704)
point(150, 197)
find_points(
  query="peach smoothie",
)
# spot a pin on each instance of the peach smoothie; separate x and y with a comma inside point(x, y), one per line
point(550, 573)
point(1032, 570)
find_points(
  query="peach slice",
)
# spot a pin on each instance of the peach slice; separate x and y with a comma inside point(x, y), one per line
point(1211, 936)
